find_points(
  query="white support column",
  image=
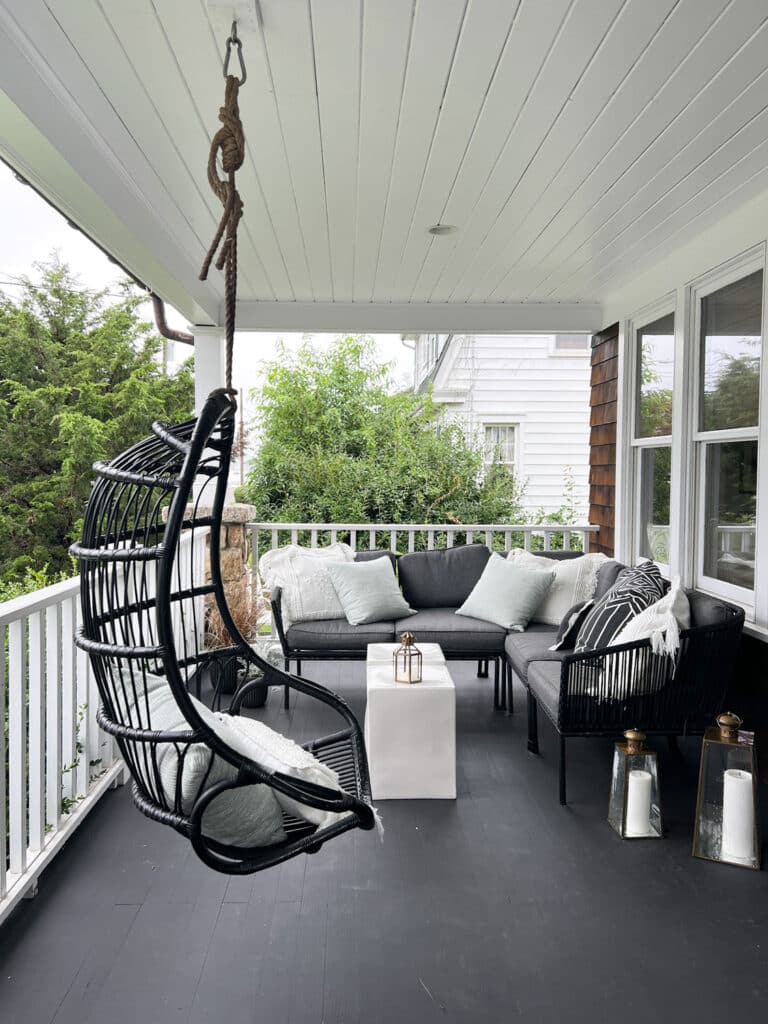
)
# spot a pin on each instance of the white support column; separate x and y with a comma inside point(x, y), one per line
point(209, 362)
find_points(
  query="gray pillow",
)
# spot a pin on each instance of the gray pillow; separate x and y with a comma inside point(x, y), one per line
point(568, 630)
point(506, 594)
point(368, 591)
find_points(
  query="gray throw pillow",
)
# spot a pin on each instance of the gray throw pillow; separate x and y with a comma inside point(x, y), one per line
point(506, 595)
point(368, 591)
point(568, 630)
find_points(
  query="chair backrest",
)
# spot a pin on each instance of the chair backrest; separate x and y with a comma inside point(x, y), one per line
point(151, 533)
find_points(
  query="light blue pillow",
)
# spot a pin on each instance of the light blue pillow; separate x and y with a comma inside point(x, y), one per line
point(506, 595)
point(368, 591)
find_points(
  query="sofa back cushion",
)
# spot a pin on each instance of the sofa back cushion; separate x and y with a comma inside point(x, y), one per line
point(706, 610)
point(369, 556)
point(442, 578)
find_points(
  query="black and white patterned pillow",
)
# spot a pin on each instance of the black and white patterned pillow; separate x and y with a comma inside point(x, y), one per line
point(635, 591)
point(568, 630)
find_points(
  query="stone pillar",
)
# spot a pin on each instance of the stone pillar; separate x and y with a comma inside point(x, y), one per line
point(235, 545)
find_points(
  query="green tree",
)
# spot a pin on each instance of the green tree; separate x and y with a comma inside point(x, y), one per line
point(79, 381)
point(337, 444)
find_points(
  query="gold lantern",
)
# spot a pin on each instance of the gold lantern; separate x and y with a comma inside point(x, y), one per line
point(726, 826)
point(634, 809)
point(407, 660)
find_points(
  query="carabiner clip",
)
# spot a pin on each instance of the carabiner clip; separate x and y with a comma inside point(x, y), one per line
point(234, 41)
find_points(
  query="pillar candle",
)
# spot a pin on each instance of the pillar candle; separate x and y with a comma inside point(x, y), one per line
point(639, 803)
point(738, 816)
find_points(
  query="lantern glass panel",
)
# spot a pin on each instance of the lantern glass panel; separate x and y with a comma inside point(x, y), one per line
point(634, 808)
point(726, 819)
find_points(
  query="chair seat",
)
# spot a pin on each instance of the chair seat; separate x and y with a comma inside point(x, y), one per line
point(544, 684)
point(456, 634)
point(338, 635)
point(532, 645)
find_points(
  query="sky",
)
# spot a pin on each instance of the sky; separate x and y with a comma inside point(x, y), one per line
point(31, 230)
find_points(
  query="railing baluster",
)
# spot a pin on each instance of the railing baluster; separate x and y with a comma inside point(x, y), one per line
point(430, 540)
point(547, 540)
point(411, 539)
point(353, 539)
point(371, 540)
point(3, 777)
point(17, 745)
point(489, 539)
point(294, 536)
point(275, 539)
point(333, 536)
point(313, 538)
point(68, 699)
point(393, 541)
point(566, 540)
point(450, 534)
point(36, 751)
point(527, 540)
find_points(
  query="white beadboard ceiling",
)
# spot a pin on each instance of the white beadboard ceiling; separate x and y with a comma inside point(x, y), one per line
point(570, 142)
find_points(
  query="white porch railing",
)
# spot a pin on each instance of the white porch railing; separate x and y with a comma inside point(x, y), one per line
point(56, 762)
point(403, 537)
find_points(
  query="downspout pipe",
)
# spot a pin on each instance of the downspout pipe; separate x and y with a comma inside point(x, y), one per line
point(162, 324)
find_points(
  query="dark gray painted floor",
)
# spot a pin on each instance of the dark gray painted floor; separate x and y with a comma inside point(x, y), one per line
point(500, 906)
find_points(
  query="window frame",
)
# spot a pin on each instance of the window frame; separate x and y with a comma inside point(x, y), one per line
point(754, 604)
point(515, 424)
point(665, 306)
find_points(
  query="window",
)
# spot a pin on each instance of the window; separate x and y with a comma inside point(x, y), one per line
point(500, 444)
point(654, 344)
point(729, 357)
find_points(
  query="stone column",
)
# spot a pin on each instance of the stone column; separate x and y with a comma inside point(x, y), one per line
point(235, 545)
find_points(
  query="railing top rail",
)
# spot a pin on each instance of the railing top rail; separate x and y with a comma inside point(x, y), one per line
point(38, 600)
point(456, 527)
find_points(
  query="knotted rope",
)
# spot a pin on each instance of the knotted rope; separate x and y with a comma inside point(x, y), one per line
point(230, 141)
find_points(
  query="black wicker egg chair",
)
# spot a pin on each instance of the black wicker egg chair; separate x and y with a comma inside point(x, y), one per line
point(153, 512)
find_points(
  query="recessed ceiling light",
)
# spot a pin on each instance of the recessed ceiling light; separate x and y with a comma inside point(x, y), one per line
point(442, 229)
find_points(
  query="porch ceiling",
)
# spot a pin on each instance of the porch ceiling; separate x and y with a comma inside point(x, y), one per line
point(570, 142)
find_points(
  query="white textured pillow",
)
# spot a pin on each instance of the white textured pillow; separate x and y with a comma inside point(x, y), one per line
point(308, 594)
point(248, 816)
point(575, 581)
point(661, 623)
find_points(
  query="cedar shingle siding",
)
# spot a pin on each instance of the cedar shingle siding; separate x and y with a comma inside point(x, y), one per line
point(602, 437)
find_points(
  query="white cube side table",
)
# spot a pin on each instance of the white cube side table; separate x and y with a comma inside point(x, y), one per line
point(410, 731)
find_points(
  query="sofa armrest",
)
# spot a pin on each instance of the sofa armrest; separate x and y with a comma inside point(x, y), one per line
point(276, 601)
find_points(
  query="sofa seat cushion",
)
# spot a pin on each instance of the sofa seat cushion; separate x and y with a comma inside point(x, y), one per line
point(544, 684)
point(455, 633)
point(532, 645)
point(338, 635)
point(442, 578)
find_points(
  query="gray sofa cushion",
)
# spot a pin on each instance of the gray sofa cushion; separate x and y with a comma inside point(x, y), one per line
point(442, 578)
point(339, 635)
point(544, 683)
point(455, 633)
point(532, 645)
point(368, 556)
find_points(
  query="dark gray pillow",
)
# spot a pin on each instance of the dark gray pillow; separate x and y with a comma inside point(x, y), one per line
point(636, 590)
point(608, 576)
point(443, 578)
point(568, 630)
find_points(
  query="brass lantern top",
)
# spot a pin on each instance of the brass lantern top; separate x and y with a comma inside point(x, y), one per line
point(407, 639)
point(729, 725)
point(635, 742)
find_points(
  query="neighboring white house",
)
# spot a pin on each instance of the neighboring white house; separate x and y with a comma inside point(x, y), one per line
point(525, 397)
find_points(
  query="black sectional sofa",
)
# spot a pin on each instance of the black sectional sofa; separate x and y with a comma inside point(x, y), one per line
point(589, 694)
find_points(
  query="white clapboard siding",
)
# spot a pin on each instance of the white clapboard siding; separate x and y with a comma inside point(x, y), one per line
point(504, 379)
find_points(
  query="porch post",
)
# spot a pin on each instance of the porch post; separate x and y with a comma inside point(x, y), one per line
point(209, 362)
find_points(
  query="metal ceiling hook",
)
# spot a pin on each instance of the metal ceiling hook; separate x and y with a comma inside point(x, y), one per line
point(233, 40)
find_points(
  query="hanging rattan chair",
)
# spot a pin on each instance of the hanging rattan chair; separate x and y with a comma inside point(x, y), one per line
point(152, 521)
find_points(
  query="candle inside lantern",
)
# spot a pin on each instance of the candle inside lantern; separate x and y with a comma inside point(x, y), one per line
point(639, 803)
point(738, 816)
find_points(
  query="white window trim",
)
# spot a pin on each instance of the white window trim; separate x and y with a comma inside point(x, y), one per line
point(754, 602)
point(631, 445)
point(507, 421)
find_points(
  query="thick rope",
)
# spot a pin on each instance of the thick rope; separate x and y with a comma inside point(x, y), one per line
point(230, 141)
